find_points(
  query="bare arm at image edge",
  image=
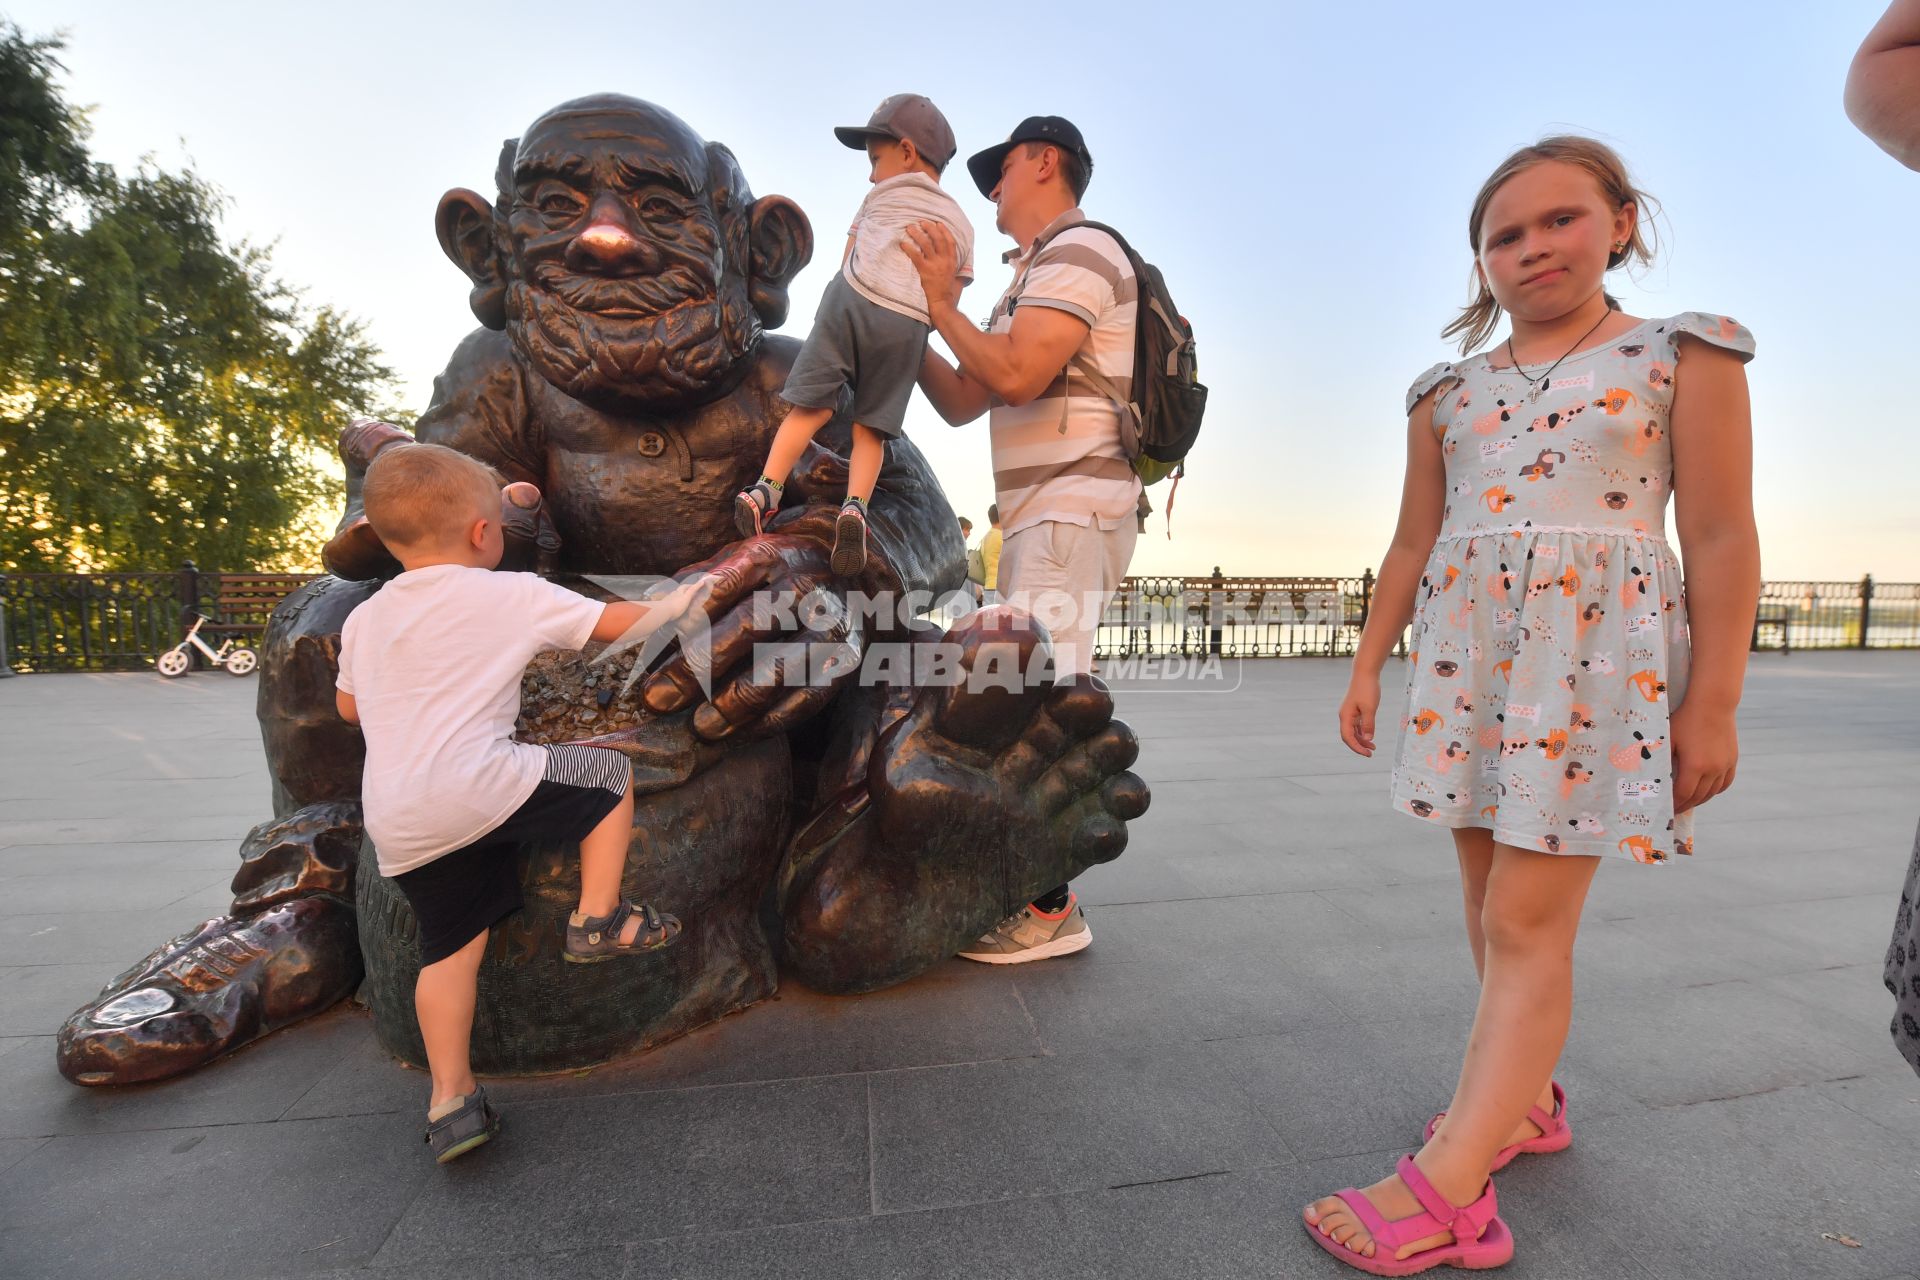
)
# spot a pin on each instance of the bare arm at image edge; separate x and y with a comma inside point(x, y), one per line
point(1883, 85)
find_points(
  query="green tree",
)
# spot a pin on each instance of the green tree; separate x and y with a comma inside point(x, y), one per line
point(162, 395)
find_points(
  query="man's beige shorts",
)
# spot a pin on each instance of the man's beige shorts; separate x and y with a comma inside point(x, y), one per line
point(1064, 575)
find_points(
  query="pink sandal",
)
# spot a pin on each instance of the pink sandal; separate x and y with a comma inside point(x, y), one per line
point(1481, 1240)
point(1554, 1133)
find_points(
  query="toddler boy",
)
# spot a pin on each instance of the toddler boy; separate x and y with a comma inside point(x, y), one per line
point(430, 670)
point(871, 330)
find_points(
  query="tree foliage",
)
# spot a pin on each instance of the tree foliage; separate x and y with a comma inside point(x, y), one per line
point(162, 395)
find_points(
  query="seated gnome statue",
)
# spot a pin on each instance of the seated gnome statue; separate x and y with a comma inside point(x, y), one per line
point(850, 812)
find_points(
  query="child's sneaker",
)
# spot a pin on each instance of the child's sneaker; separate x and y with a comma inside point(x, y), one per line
point(464, 1128)
point(591, 939)
point(850, 540)
point(753, 506)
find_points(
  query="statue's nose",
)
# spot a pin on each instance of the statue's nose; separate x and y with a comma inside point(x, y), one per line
point(608, 245)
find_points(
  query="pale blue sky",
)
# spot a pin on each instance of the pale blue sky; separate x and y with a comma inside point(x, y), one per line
point(1301, 174)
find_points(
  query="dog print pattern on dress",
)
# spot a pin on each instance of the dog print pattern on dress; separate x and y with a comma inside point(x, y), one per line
point(1550, 642)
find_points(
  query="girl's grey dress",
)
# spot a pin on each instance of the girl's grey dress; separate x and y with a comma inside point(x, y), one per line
point(1550, 642)
point(1903, 964)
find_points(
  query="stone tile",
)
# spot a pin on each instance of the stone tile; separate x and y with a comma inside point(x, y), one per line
point(61, 938)
point(257, 1084)
point(1093, 1003)
point(1855, 993)
point(88, 860)
point(605, 1263)
point(1371, 1086)
point(1222, 1225)
point(1724, 1040)
point(958, 1013)
point(1845, 872)
point(1832, 931)
point(142, 890)
point(229, 821)
point(14, 1150)
point(1891, 1101)
point(1744, 1186)
point(949, 1135)
point(1555, 1237)
point(965, 1242)
point(234, 1200)
point(1135, 876)
point(1172, 932)
point(643, 1166)
point(1660, 952)
point(1415, 909)
point(36, 999)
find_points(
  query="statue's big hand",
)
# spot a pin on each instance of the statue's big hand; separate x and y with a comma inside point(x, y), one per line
point(780, 641)
point(356, 553)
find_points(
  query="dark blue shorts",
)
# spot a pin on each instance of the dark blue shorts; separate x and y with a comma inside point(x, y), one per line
point(463, 893)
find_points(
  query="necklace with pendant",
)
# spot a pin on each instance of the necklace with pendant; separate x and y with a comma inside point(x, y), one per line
point(1533, 391)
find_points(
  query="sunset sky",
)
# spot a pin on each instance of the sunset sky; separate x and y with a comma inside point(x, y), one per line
point(1301, 175)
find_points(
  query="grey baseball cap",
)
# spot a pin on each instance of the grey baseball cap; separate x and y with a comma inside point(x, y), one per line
point(905, 117)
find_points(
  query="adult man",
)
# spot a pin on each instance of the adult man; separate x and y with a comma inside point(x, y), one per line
point(1065, 487)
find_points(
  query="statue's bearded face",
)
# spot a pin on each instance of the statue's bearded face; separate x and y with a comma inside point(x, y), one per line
point(623, 265)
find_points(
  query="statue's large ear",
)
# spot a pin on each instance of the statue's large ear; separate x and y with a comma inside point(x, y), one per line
point(780, 242)
point(464, 222)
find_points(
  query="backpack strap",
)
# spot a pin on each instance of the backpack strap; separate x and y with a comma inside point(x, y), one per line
point(1130, 420)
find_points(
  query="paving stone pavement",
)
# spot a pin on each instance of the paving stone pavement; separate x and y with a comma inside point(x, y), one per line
point(1274, 1003)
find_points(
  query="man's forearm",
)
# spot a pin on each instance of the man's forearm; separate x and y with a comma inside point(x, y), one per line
point(986, 358)
point(954, 396)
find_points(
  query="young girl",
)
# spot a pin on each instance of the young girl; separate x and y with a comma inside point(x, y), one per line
point(1563, 707)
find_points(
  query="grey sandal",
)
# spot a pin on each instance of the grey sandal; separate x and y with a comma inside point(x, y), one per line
point(597, 938)
point(452, 1136)
point(753, 506)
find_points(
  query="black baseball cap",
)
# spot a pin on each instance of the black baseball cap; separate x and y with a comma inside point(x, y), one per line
point(1059, 132)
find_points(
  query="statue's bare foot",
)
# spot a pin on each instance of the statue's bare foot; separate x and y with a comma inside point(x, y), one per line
point(291, 950)
point(986, 792)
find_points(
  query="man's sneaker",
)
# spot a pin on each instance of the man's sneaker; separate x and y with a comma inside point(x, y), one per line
point(1034, 935)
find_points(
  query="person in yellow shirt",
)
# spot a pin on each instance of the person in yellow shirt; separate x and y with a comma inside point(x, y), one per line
point(990, 556)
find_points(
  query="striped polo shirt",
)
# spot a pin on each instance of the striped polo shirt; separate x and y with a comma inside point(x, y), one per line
point(1059, 457)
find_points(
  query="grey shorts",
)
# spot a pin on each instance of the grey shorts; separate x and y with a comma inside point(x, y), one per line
point(859, 344)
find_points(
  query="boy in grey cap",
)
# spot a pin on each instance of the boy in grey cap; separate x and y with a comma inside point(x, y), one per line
point(871, 329)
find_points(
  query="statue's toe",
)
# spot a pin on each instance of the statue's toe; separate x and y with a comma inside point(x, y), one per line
point(1126, 796)
point(207, 992)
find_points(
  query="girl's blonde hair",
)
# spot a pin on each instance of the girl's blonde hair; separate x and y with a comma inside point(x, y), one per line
point(1480, 317)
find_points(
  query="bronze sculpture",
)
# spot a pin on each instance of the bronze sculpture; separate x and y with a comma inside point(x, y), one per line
point(852, 831)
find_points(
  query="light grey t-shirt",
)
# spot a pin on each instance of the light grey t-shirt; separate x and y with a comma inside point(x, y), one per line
point(433, 661)
point(878, 268)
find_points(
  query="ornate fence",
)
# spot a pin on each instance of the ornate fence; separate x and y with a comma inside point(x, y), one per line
point(1283, 617)
point(121, 621)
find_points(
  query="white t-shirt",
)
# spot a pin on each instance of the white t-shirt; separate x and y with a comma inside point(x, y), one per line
point(878, 268)
point(433, 660)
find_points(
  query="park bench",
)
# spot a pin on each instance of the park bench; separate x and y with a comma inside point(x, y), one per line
point(244, 601)
point(1771, 615)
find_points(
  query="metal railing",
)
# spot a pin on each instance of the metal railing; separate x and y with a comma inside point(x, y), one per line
point(1235, 617)
point(115, 621)
point(121, 621)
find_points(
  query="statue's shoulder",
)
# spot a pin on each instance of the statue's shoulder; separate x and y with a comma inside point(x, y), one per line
point(480, 400)
point(774, 361)
point(482, 355)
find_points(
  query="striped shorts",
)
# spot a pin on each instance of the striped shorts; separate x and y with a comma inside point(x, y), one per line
point(460, 895)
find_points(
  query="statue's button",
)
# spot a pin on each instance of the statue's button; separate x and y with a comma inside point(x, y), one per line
point(652, 444)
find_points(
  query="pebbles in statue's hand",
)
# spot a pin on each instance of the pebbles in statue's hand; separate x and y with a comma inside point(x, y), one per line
point(565, 696)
